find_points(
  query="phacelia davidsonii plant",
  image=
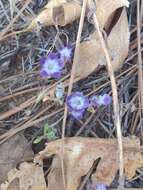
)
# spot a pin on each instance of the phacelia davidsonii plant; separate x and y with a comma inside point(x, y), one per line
point(51, 66)
point(77, 103)
point(101, 100)
point(65, 53)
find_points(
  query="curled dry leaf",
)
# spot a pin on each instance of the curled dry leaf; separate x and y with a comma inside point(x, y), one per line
point(29, 176)
point(57, 12)
point(91, 54)
point(104, 9)
point(78, 160)
point(62, 12)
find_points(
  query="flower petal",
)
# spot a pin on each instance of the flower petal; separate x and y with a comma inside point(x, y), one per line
point(66, 53)
point(43, 73)
point(56, 75)
point(77, 114)
point(100, 186)
point(77, 101)
point(51, 66)
point(106, 99)
point(52, 56)
point(42, 60)
point(94, 101)
point(100, 100)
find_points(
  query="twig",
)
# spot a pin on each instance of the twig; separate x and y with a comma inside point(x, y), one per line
point(4, 98)
point(75, 60)
point(85, 124)
point(127, 72)
point(140, 74)
point(30, 101)
point(133, 44)
point(18, 108)
point(12, 132)
point(32, 118)
point(117, 122)
point(141, 12)
point(19, 75)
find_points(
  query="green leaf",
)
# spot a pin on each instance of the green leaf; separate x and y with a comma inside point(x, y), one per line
point(51, 135)
point(47, 129)
point(38, 139)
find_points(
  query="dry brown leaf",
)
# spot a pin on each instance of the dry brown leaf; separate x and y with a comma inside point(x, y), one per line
point(61, 12)
point(104, 9)
point(12, 152)
point(55, 3)
point(79, 159)
point(118, 41)
point(91, 54)
point(29, 176)
point(57, 12)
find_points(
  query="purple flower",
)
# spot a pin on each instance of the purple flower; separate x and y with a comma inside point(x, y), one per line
point(77, 104)
point(106, 99)
point(77, 114)
point(51, 66)
point(65, 53)
point(96, 186)
point(100, 100)
point(95, 101)
point(101, 186)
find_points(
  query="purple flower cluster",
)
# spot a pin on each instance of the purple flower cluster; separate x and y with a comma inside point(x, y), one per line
point(77, 103)
point(52, 65)
point(101, 100)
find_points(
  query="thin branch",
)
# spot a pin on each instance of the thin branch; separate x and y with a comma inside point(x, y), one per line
point(117, 121)
point(26, 125)
point(75, 61)
point(140, 74)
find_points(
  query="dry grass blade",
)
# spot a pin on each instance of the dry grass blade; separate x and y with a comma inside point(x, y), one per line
point(18, 108)
point(22, 106)
point(140, 73)
point(26, 122)
point(75, 60)
point(26, 125)
point(12, 7)
point(115, 101)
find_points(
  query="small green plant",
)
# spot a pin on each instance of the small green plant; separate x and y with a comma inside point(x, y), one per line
point(48, 133)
